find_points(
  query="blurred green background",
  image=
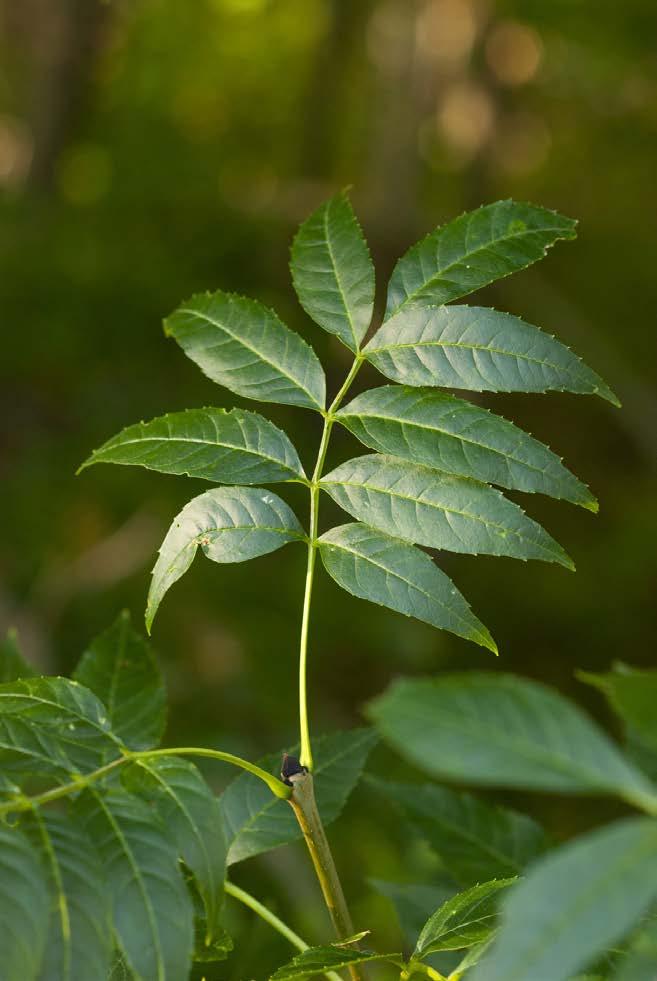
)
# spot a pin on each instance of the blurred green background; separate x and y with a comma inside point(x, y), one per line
point(151, 148)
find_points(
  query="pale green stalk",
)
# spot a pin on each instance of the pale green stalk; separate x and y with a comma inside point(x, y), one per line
point(306, 755)
point(273, 920)
point(23, 803)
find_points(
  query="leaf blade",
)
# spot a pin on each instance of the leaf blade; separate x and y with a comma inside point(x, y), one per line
point(318, 960)
point(392, 573)
point(79, 933)
point(242, 345)
point(120, 668)
point(548, 932)
point(439, 510)
point(480, 350)
point(464, 920)
point(24, 902)
point(230, 524)
point(151, 907)
point(440, 431)
point(332, 271)
point(52, 725)
point(227, 447)
point(473, 839)
point(501, 730)
point(191, 813)
point(474, 250)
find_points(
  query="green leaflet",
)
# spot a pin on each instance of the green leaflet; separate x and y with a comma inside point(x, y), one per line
point(79, 943)
point(466, 919)
point(478, 349)
point(236, 447)
point(151, 905)
point(317, 960)
point(52, 724)
point(333, 273)
point(438, 430)
point(500, 730)
point(439, 510)
point(392, 573)
point(574, 904)
point(230, 524)
point(474, 840)
point(12, 663)
point(243, 346)
point(192, 816)
point(24, 904)
point(256, 822)
point(474, 250)
point(120, 668)
point(632, 694)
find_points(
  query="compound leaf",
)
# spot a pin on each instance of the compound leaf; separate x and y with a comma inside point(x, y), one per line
point(79, 944)
point(478, 349)
point(256, 821)
point(474, 840)
point(12, 663)
point(438, 430)
point(463, 920)
point(243, 346)
point(333, 273)
point(120, 668)
point(235, 447)
point(503, 730)
point(53, 725)
point(192, 816)
point(392, 573)
point(437, 509)
point(475, 249)
point(230, 524)
point(151, 905)
point(24, 905)
point(319, 960)
point(549, 931)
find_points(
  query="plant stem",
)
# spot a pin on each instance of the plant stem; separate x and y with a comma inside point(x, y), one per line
point(306, 755)
point(305, 810)
point(266, 914)
point(24, 803)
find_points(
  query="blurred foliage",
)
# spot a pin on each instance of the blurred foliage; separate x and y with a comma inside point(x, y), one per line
point(150, 148)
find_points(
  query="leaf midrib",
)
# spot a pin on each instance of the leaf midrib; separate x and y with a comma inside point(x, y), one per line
point(441, 273)
point(445, 432)
point(473, 347)
point(341, 291)
point(150, 912)
point(203, 442)
point(440, 507)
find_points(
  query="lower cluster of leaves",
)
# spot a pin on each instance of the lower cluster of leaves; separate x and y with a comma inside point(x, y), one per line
point(113, 853)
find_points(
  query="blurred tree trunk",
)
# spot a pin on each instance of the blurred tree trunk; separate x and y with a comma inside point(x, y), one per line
point(54, 49)
point(327, 86)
